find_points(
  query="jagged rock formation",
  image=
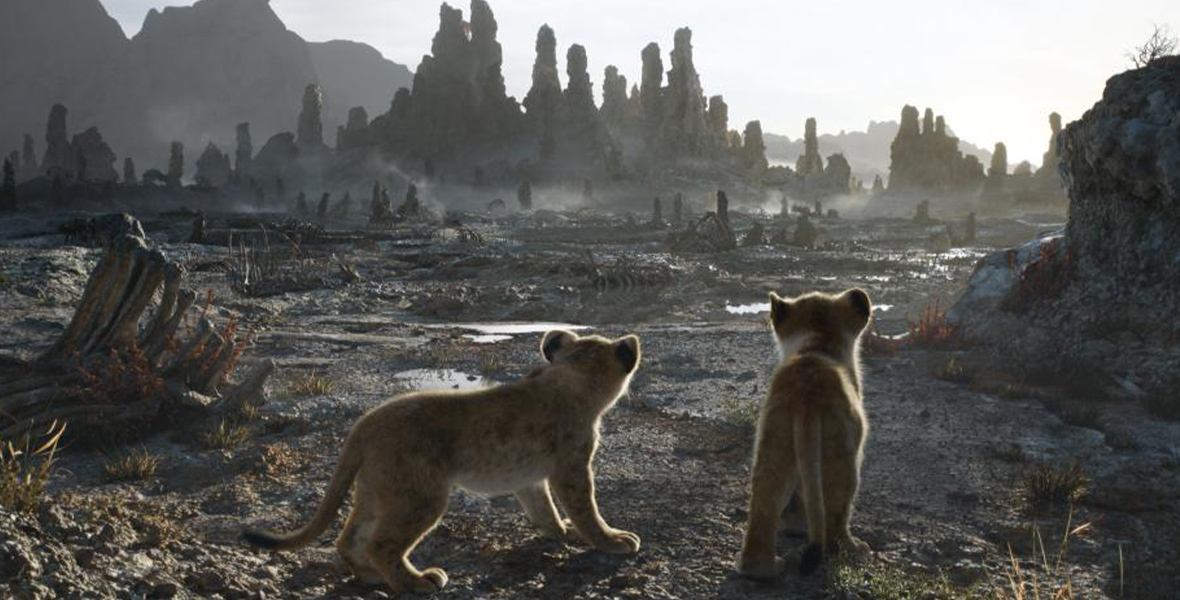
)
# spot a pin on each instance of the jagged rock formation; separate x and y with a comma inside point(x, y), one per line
point(175, 165)
point(244, 154)
point(277, 160)
point(524, 195)
point(310, 134)
point(754, 148)
point(29, 166)
point(684, 131)
point(927, 157)
point(129, 176)
point(98, 158)
point(356, 134)
point(8, 188)
point(543, 104)
point(214, 63)
point(615, 106)
point(213, 167)
point(458, 100)
point(60, 158)
point(997, 173)
point(1051, 160)
point(811, 180)
point(809, 163)
point(651, 93)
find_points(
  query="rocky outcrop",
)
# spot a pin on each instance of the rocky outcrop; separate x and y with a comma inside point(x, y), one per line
point(175, 165)
point(1122, 163)
point(1100, 297)
point(244, 154)
point(90, 149)
point(614, 98)
point(544, 102)
point(754, 148)
point(310, 134)
point(684, 131)
point(355, 135)
point(810, 163)
point(926, 157)
point(59, 155)
point(213, 167)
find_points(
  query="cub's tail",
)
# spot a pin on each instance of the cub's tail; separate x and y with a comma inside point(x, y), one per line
point(346, 470)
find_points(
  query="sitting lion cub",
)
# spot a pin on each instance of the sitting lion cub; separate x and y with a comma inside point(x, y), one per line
point(527, 437)
point(811, 431)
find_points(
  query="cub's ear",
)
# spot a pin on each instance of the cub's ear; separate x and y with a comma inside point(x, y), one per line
point(860, 303)
point(627, 351)
point(780, 309)
point(553, 341)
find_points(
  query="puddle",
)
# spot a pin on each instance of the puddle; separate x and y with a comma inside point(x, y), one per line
point(430, 380)
point(762, 307)
point(747, 309)
point(492, 333)
point(480, 338)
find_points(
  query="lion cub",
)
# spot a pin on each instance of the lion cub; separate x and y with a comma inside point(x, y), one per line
point(811, 431)
point(529, 437)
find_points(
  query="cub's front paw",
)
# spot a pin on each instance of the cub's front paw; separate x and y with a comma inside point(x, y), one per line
point(621, 542)
point(760, 569)
point(854, 546)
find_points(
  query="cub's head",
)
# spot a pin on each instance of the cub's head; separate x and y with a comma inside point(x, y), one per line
point(609, 361)
point(819, 321)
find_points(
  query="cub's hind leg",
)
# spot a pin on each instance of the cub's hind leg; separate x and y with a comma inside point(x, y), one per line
point(773, 481)
point(402, 523)
point(841, 479)
point(537, 503)
point(358, 530)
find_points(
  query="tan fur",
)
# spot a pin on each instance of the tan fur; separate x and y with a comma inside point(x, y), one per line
point(531, 437)
point(811, 430)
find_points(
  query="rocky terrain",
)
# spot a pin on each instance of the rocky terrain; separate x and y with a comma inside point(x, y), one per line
point(948, 490)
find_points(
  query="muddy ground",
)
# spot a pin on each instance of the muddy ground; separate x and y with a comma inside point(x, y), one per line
point(941, 504)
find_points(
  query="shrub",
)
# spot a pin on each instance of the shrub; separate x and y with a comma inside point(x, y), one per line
point(134, 465)
point(24, 472)
point(1045, 485)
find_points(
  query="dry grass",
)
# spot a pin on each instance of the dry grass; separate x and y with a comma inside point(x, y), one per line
point(931, 328)
point(490, 365)
point(226, 436)
point(1045, 577)
point(311, 384)
point(280, 459)
point(952, 370)
point(137, 464)
point(24, 471)
point(438, 356)
point(739, 412)
point(1044, 486)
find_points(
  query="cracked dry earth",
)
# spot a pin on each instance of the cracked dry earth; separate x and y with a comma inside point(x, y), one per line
point(940, 495)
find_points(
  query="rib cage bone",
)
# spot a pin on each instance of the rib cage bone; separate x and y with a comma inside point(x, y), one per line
point(106, 322)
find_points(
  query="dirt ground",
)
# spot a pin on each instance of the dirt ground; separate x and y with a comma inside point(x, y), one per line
point(942, 502)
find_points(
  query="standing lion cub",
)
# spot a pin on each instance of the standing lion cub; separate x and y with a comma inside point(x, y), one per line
point(529, 437)
point(811, 430)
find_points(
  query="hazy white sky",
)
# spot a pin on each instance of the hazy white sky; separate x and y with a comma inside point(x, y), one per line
point(994, 68)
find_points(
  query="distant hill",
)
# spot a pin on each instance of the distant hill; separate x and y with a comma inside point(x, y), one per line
point(867, 151)
point(191, 74)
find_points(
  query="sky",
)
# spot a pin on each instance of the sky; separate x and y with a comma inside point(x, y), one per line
point(994, 69)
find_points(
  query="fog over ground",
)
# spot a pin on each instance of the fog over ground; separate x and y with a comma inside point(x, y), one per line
point(994, 69)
